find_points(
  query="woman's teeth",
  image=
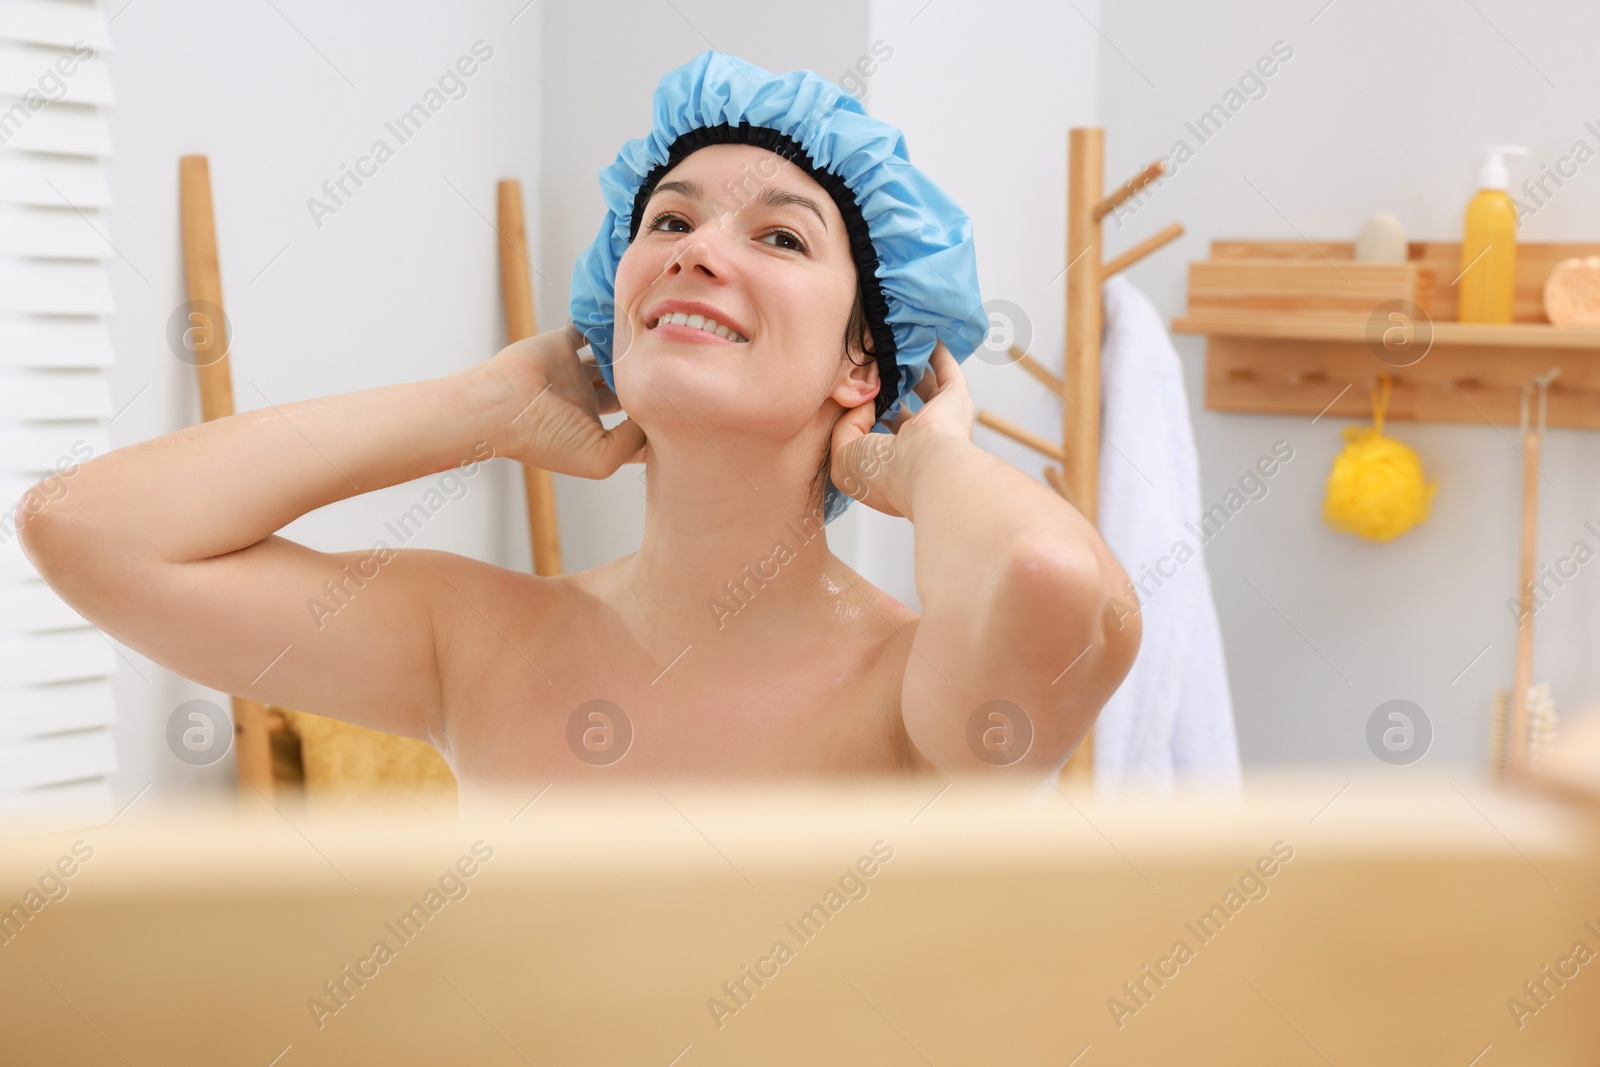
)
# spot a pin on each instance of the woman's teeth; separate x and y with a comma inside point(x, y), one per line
point(700, 322)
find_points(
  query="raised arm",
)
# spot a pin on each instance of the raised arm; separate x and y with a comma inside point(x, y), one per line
point(1022, 602)
point(170, 547)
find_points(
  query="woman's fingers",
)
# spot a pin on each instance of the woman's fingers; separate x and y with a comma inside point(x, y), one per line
point(940, 362)
point(859, 456)
point(607, 399)
point(624, 443)
point(942, 376)
point(937, 376)
point(605, 396)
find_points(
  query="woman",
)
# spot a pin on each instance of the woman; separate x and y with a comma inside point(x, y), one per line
point(733, 643)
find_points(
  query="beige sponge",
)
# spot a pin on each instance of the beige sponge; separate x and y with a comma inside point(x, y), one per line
point(1572, 292)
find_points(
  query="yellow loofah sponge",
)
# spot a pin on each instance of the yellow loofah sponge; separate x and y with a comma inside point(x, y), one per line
point(1376, 488)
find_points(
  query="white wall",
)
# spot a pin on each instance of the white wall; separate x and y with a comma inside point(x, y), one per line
point(1383, 107)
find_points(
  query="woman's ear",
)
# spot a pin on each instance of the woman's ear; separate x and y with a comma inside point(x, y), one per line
point(858, 383)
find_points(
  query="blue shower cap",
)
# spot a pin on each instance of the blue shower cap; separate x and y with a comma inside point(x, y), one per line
point(912, 245)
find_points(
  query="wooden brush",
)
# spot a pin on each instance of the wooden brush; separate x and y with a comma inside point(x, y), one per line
point(1522, 722)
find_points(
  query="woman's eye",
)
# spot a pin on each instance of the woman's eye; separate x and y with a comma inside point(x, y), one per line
point(665, 217)
point(799, 245)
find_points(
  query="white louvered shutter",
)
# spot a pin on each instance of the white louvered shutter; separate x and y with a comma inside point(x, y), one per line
point(56, 709)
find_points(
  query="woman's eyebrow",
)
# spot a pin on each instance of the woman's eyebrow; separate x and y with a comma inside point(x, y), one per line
point(770, 196)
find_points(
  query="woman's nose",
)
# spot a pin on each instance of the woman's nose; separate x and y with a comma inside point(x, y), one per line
point(697, 252)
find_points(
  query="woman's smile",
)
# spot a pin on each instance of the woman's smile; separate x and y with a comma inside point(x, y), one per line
point(697, 316)
point(670, 330)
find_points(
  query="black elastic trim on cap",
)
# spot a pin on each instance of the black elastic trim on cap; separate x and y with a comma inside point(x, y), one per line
point(862, 250)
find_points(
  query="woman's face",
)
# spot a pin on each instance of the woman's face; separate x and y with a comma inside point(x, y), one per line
point(741, 230)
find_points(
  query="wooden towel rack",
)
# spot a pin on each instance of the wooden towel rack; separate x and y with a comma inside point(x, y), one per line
point(1079, 387)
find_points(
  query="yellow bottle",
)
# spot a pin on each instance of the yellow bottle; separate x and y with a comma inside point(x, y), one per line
point(1488, 281)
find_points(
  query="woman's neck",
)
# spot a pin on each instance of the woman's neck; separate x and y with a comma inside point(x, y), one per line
point(734, 560)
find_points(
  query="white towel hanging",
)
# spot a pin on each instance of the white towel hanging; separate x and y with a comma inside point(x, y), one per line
point(1173, 715)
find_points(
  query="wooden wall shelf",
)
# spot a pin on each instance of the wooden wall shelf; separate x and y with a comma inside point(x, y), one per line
point(1314, 363)
point(1348, 328)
